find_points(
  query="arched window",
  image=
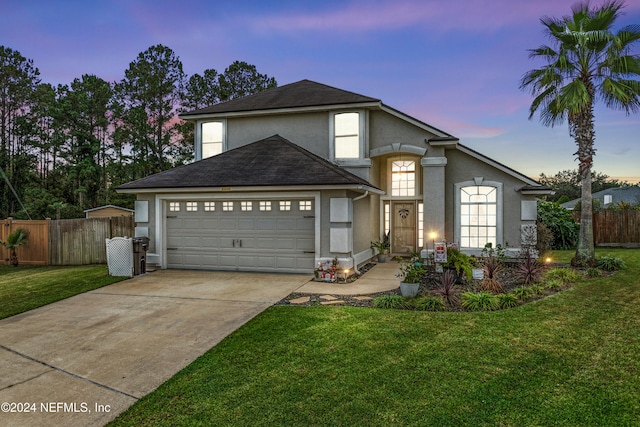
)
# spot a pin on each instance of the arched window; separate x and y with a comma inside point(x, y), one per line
point(403, 178)
point(479, 214)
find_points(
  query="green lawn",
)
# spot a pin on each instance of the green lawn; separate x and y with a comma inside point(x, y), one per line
point(569, 359)
point(27, 287)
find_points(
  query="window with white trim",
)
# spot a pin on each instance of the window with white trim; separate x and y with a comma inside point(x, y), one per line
point(478, 216)
point(246, 206)
point(212, 138)
point(227, 206)
point(209, 206)
point(192, 206)
point(265, 205)
point(346, 134)
point(174, 206)
point(304, 205)
point(285, 205)
point(403, 178)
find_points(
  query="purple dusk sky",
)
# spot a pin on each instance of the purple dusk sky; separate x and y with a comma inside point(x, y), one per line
point(455, 65)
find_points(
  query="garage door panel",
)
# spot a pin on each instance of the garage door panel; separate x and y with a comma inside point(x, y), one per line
point(305, 244)
point(279, 241)
point(246, 224)
point(267, 224)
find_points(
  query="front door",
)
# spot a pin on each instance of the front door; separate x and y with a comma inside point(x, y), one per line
point(403, 227)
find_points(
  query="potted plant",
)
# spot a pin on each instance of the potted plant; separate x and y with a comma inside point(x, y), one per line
point(410, 274)
point(382, 247)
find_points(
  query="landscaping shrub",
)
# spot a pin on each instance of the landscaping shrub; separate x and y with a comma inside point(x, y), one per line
point(447, 288)
point(430, 303)
point(523, 293)
point(553, 284)
point(507, 300)
point(561, 224)
point(610, 263)
point(480, 301)
point(390, 301)
point(491, 264)
point(529, 269)
point(564, 275)
point(594, 272)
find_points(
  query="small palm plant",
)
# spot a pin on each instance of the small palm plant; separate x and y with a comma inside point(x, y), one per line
point(15, 239)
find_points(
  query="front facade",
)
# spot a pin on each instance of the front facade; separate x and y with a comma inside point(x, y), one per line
point(304, 173)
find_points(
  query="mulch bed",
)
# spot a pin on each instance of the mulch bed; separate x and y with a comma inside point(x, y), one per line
point(508, 277)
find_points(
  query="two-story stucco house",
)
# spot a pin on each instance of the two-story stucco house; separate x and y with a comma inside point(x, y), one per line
point(304, 173)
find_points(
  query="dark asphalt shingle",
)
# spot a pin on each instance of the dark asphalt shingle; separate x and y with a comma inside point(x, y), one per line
point(273, 161)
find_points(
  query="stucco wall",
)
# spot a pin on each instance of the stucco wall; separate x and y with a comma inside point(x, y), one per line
point(385, 129)
point(309, 130)
point(151, 202)
point(463, 167)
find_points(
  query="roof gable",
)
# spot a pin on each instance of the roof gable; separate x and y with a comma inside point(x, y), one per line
point(304, 93)
point(273, 161)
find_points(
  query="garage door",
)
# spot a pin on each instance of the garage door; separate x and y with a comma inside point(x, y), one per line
point(244, 235)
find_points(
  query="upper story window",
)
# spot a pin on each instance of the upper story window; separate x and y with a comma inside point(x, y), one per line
point(347, 135)
point(212, 138)
point(403, 178)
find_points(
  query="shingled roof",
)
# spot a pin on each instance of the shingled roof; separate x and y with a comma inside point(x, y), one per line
point(273, 161)
point(304, 93)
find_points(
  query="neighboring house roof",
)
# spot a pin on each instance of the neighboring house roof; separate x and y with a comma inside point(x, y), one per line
point(273, 161)
point(108, 207)
point(305, 94)
point(619, 194)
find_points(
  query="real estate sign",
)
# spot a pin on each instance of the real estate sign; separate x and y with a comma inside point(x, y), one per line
point(440, 252)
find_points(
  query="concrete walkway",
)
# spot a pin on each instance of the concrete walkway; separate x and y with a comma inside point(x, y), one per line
point(381, 278)
point(83, 360)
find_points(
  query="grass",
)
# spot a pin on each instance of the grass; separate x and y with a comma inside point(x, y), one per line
point(569, 359)
point(27, 287)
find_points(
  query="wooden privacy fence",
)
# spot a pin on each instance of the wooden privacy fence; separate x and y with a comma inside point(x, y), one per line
point(36, 251)
point(616, 228)
point(67, 241)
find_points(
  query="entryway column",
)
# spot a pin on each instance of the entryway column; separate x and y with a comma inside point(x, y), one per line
point(434, 199)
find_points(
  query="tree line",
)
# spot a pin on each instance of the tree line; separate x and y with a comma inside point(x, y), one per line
point(65, 149)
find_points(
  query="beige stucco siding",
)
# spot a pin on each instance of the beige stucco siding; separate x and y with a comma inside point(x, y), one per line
point(462, 167)
point(309, 130)
point(385, 129)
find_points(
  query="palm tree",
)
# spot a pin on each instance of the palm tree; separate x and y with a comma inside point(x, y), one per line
point(15, 239)
point(587, 62)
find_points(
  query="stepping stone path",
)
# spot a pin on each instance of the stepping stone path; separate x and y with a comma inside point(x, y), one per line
point(327, 300)
point(334, 302)
point(301, 300)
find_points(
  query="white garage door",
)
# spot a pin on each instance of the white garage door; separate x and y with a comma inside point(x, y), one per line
point(244, 235)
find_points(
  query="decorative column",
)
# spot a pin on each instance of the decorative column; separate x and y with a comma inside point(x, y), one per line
point(433, 180)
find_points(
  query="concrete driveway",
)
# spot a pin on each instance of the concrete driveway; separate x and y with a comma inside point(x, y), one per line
point(83, 360)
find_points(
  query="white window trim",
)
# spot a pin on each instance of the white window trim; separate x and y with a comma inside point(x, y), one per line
point(363, 139)
point(198, 136)
point(499, 204)
point(418, 177)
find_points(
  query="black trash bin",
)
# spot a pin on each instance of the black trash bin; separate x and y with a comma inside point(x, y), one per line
point(140, 247)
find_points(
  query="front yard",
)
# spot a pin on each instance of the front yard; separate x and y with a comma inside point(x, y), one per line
point(567, 359)
point(27, 287)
